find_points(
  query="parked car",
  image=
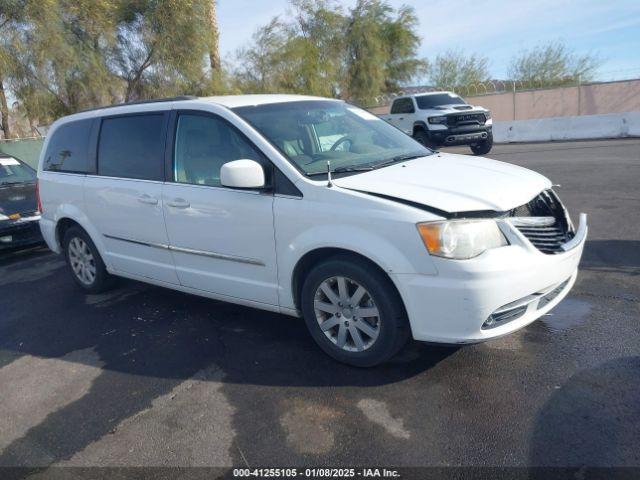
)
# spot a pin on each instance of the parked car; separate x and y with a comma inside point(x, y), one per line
point(309, 207)
point(443, 119)
point(19, 213)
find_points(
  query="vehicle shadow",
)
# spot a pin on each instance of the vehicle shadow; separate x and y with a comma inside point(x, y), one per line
point(16, 255)
point(148, 340)
point(612, 256)
point(591, 420)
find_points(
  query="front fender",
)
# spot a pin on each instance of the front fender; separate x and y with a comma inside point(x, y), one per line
point(391, 258)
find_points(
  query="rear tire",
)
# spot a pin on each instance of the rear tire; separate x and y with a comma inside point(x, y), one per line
point(352, 333)
point(483, 147)
point(86, 266)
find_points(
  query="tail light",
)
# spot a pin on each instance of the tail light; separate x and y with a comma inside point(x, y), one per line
point(38, 196)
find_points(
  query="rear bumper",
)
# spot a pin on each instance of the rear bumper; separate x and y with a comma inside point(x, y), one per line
point(20, 233)
point(515, 285)
point(467, 136)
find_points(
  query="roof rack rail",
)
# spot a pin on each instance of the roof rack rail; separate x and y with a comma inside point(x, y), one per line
point(142, 102)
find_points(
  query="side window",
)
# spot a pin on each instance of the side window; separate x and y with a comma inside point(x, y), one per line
point(132, 147)
point(396, 107)
point(68, 148)
point(407, 106)
point(403, 105)
point(203, 144)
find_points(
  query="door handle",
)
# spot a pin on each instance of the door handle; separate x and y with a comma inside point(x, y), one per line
point(179, 203)
point(149, 200)
point(401, 118)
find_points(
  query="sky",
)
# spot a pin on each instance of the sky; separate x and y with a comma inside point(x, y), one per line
point(497, 29)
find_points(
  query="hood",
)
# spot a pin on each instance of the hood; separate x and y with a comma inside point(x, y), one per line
point(457, 108)
point(18, 198)
point(452, 183)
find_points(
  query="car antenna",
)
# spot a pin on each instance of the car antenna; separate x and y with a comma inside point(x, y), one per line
point(329, 182)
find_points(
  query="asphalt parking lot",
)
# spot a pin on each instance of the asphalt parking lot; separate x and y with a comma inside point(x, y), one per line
point(148, 376)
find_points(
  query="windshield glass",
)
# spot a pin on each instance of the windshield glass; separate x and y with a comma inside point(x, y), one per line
point(12, 171)
point(310, 133)
point(429, 101)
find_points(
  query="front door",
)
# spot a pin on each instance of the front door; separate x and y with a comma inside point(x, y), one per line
point(222, 239)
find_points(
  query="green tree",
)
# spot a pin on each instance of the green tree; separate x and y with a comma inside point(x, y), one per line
point(10, 15)
point(304, 55)
point(455, 70)
point(160, 47)
point(381, 52)
point(323, 50)
point(551, 65)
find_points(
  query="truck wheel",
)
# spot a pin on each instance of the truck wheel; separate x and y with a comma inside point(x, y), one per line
point(483, 147)
point(87, 268)
point(423, 137)
point(353, 312)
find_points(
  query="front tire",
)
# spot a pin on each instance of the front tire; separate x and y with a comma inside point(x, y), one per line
point(353, 312)
point(422, 137)
point(87, 268)
point(483, 147)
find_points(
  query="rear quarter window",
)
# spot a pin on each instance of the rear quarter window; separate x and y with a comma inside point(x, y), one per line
point(402, 105)
point(68, 148)
point(132, 146)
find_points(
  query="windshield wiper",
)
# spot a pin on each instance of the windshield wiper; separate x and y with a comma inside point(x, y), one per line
point(360, 168)
point(399, 158)
point(372, 166)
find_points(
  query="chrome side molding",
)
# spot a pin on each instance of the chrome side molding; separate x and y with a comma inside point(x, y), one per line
point(191, 251)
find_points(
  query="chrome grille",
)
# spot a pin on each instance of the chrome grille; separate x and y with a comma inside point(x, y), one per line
point(552, 295)
point(544, 222)
point(547, 239)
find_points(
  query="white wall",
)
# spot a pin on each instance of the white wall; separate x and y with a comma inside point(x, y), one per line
point(610, 125)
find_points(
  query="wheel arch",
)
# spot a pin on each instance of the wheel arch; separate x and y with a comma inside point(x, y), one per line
point(420, 125)
point(318, 255)
point(69, 216)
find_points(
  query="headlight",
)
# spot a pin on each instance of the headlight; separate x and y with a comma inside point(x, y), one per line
point(461, 239)
point(3, 217)
point(437, 119)
point(487, 115)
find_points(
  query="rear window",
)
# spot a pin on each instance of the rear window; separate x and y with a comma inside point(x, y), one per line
point(68, 148)
point(132, 147)
point(12, 171)
point(436, 100)
point(402, 105)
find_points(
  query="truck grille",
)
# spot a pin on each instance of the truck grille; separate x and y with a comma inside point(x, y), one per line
point(466, 119)
point(544, 222)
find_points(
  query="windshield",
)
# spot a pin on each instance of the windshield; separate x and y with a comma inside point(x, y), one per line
point(429, 101)
point(310, 133)
point(12, 171)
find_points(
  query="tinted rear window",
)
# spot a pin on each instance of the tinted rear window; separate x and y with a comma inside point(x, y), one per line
point(402, 105)
point(132, 147)
point(68, 148)
point(429, 101)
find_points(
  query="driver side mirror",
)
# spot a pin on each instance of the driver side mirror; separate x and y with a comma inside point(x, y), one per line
point(242, 174)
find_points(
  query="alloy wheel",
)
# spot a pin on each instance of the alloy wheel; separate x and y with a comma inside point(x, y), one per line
point(82, 261)
point(347, 314)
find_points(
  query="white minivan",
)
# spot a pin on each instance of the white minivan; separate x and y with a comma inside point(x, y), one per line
point(309, 207)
